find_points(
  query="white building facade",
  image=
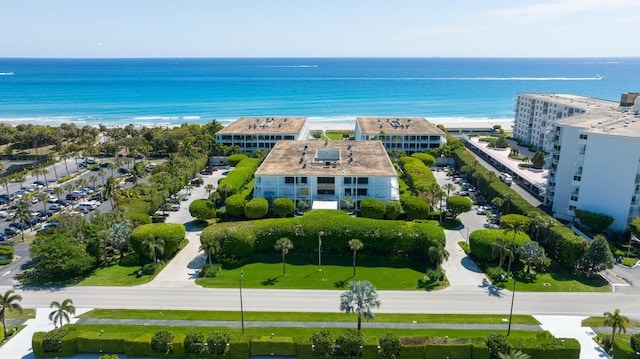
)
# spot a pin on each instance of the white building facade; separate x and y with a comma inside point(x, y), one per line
point(593, 155)
point(253, 133)
point(400, 134)
point(327, 171)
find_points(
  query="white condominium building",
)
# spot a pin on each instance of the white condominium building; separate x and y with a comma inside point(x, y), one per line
point(252, 133)
point(327, 171)
point(405, 134)
point(593, 148)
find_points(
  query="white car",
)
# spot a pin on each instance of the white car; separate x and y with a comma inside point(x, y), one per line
point(4, 214)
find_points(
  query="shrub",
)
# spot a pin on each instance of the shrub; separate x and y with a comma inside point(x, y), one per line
point(194, 343)
point(372, 208)
point(256, 208)
point(564, 246)
point(513, 218)
point(239, 177)
point(323, 343)
point(235, 205)
point(497, 343)
point(595, 222)
point(162, 342)
point(150, 268)
point(417, 174)
point(394, 210)
point(426, 158)
point(283, 206)
point(171, 233)
point(218, 342)
point(202, 209)
point(635, 342)
point(414, 207)
point(501, 142)
point(480, 241)
point(390, 345)
point(140, 218)
point(350, 342)
point(210, 270)
point(52, 340)
point(235, 159)
point(457, 205)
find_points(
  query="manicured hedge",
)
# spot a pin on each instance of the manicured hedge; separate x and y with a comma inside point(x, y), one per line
point(256, 208)
point(234, 204)
point(426, 158)
point(280, 346)
point(172, 233)
point(372, 208)
point(6, 254)
point(414, 207)
point(244, 238)
point(235, 159)
point(202, 209)
point(564, 246)
point(417, 174)
point(622, 349)
point(242, 347)
point(240, 175)
point(480, 241)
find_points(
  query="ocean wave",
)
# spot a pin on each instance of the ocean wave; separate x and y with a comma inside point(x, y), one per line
point(7, 73)
point(287, 66)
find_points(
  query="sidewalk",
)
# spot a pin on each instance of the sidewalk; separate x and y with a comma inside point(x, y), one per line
point(571, 327)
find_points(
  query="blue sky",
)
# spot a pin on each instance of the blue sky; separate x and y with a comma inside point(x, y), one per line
point(319, 28)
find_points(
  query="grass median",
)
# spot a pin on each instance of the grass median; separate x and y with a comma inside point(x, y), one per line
point(304, 317)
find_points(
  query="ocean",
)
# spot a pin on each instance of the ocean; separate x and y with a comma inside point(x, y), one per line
point(174, 91)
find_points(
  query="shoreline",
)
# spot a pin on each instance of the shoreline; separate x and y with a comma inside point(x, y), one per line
point(315, 123)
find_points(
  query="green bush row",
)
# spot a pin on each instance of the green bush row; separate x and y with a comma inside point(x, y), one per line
point(480, 241)
point(418, 175)
point(622, 349)
point(171, 235)
point(244, 347)
point(336, 228)
point(239, 176)
point(64, 179)
point(6, 252)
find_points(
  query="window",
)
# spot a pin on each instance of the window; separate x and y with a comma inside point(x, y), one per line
point(583, 136)
point(361, 191)
point(347, 180)
point(288, 180)
point(574, 197)
point(326, 180)
point(303, 179)
point(363, 180)
point(347, 191)
point(577, 178)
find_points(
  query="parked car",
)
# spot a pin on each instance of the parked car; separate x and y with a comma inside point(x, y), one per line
point(73, 196)
point(12, 231)
point(19, 225)
point(3, 237)
point(123, 170)
point(55, 207)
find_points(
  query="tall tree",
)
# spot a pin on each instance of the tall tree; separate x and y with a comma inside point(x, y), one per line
point(120, 234)
point(283, 245)
point(109, 189)
point(508, 200)
point(361, 298)
point(62, 311)
point(438, 254)
point(617, 321)
point(9, 301)
point(501, 249)
point(355, 245)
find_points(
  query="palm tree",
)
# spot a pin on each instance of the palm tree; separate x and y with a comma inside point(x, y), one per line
point(349, 202)
point(9, 301)
point(58, 191)
point(361, 298)
point(508, 199)
point(82, 183)
point(283, 245)
point(153, 245)
point(62, 311)
point(112, 167)
point(43, 197)
point(211, 247)
point(102, 173)
point(120, 234)
point(500, 249)
point(65, 157)
point(448, 187)
point(44, 172)
point(225, 188)
point(5, 183)
point(497, 202)
point(23, 214)
point(438, 254)
point(109, 188)
point(69, 187)
point(515, 227)
point(93, 179)
point(615, 321)
point(209, 187)
point(355, 245)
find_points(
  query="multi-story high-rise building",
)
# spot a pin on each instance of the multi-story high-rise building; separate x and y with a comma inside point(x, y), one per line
point(593, 148)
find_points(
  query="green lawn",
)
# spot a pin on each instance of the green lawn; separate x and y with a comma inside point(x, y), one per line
point(332, 136)
point(302, 272)
point(124, 273)
point(599, 322)
point(135, 330)
point(303, 317)
point(25, 314)
point(557, 280)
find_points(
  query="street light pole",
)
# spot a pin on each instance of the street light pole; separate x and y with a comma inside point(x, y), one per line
point(513, 295)
point(320, 251)
point(241, 307)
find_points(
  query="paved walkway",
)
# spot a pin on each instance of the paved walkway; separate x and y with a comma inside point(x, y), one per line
point(571, 327)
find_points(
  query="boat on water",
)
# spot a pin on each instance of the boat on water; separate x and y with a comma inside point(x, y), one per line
point(599, 77)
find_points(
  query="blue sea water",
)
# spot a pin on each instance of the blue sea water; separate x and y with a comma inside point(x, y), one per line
point(175, 91)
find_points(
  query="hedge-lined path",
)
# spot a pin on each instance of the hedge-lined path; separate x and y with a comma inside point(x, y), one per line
point(20, 345)
point(571, 327)
point(183, 269)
